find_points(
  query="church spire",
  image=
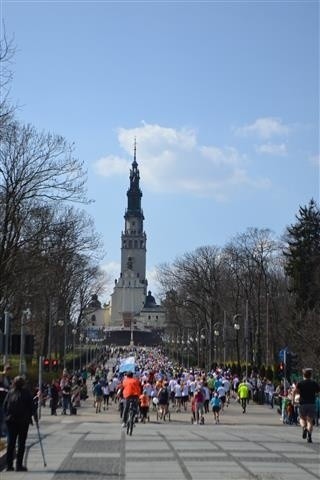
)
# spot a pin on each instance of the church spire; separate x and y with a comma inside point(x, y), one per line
point(135, 152)
point(134, 193)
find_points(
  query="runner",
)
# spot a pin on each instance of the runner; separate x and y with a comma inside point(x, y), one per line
point(307, 389)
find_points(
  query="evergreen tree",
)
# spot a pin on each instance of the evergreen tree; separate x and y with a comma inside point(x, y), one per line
point(302, 257)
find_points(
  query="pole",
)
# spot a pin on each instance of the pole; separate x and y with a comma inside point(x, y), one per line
point(80, 350)
point(285, 371)
point(210, 346)
point(131, 332)
point(40, 386)
point(6, 336)
point(74, 352)
point(198, 347)
point(64, 344)
point(267, 332)
point(224, 336)
point(246, 336)
point(22, 363)
point(41, 446)
point(50, 334)
point(87, 362)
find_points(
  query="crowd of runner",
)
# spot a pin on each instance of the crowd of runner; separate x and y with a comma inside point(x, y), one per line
point(148, 379)
point(161, 385)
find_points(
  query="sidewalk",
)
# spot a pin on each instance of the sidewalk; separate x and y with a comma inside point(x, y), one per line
point(93, 446)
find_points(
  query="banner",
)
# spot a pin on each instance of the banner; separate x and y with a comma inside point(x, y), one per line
point(127, 365)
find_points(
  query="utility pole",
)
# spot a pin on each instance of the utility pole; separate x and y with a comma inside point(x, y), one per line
point(246, 335)
point(6, 336)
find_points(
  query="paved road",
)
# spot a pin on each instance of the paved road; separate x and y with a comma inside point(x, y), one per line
point(94, 447)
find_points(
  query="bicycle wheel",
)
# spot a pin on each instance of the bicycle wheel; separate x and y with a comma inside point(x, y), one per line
point(131, 422)
point(129, 418)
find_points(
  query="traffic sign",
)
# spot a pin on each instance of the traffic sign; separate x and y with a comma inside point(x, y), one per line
point(282, 354)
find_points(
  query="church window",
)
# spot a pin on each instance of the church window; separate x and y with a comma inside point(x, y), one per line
point(136, 244)
point(149, 317)
point(130, 243)
point(130, 263)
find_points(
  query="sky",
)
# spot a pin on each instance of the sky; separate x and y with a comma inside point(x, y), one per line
point(222, 98)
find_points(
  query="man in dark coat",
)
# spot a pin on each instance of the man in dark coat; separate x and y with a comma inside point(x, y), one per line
point(19, 408)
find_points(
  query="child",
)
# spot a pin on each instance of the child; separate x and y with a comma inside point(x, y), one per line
point(144, 406)
point(215, 403)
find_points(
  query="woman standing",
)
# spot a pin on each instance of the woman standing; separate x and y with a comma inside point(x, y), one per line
point(19, 409)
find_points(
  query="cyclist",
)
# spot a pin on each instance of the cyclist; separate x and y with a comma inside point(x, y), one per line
point(131, 392)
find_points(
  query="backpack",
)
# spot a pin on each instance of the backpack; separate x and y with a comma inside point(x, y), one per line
point(16, 407)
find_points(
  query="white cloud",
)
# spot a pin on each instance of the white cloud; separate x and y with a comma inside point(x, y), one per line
point(111, 165)
point(172, 160)
point(272, 149)
point(264, 128)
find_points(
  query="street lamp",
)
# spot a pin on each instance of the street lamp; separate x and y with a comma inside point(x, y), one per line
point(26, 314)
point(81, 337)
point(87, 343)
point(200, 336)
point(236, 326)
point(267, 331)
point(62, 323)
point(216, 333)
point(245, 335)
point(74, 332)
point(6, 336)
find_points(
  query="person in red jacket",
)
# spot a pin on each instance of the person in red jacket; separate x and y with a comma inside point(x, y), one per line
point(131, 392)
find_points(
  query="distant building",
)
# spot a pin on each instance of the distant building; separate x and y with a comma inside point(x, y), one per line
point(131, 308)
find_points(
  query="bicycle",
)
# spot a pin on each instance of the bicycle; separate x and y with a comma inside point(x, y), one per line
point(131, 416)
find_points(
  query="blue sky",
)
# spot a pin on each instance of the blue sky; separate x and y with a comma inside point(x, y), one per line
point(223, 98)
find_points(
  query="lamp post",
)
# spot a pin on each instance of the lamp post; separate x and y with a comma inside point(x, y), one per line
point(74, 331)
point(267, 331)
point(6, 336)
point(246, 334)
point(81, 337)
point(200, 336)
point(216, 333)
point(236, 326)
point(87, 343)
point(62, 323)
point(26, 314)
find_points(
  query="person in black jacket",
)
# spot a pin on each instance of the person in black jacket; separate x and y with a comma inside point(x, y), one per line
point(19, 408)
